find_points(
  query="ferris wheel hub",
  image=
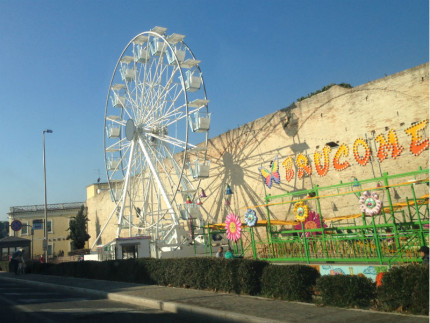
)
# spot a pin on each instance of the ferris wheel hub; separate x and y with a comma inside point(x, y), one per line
point(130, 130)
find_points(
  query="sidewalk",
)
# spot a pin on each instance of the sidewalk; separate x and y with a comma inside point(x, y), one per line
point(210, 305)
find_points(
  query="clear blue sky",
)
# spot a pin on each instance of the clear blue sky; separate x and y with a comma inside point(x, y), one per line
point(57, 58)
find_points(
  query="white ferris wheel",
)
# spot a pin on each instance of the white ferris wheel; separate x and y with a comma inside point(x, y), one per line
point(156, 132)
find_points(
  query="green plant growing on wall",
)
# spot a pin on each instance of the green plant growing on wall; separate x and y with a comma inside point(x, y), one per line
point(325, 88)
point(78, 230)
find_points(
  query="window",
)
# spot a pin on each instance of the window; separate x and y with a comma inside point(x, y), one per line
point(129, 251)
point(24, 230)
point(50, 247)
point(38, 224)
point(4, 254)
point(50, 229)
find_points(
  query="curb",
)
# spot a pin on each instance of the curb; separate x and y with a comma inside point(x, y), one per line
point(171, 307)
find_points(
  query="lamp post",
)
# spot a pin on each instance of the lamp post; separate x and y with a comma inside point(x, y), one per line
point(45, 227)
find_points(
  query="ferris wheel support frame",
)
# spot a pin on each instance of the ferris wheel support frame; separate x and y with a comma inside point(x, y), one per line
point(127, 177)
point(157, 179)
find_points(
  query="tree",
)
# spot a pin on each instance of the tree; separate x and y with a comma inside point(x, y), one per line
point(4, 229)
point(78, 230)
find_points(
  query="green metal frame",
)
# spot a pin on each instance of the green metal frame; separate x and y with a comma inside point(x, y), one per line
point(393, 241)
point(389, 243)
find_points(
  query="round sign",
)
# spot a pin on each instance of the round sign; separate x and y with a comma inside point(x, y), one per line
point(16, 225)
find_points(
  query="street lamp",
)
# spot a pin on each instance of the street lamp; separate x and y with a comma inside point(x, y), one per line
point(45, 227)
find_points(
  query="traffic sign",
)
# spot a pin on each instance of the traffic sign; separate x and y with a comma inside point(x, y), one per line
point(16, 225)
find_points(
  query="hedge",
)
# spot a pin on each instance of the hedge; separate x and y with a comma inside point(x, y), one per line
point(289, 282)
point(405, 288)
point(235, 275)
point(241, 276)
point(346, 290)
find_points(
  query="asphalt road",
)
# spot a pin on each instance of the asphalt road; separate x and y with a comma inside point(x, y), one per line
point(24, 303)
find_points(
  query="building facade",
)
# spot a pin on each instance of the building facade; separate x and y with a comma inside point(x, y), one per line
point(32, 218)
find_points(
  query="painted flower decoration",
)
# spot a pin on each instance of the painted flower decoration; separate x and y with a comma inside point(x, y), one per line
point(250, 218)
point(312, 222)
point(370, 204)
point(301, 211)
point(233, 227)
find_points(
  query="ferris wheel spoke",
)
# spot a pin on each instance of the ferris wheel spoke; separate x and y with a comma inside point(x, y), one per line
point(115, 120)
point(165, 90)
point(158, 106)
point(174, 141)
point(153, 76)
point(171, 117)
point(120, 160)
point(172, 105)
point(125, 109)
point(174, 116)
point(186, 182)
point(155, 107)
point(157, 80)
point(117, 146)
point(133, 108)
point(160, 163)
point(141, 89)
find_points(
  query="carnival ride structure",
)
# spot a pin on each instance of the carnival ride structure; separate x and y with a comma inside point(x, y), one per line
point(156, 128)
point(377, 229)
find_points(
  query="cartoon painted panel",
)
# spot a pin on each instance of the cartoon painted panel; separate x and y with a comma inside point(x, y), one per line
point(368, 271)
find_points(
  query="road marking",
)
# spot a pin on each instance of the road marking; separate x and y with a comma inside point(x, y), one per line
point(51, 300)
point(29, 293)
point(93, 310)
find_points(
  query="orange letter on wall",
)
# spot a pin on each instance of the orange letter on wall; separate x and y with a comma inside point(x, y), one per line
point(302, 163)
point(288, 164)
point(418, 145)
point(322, 171)
point(361, 160)
point(342, 150)
point(391, 144)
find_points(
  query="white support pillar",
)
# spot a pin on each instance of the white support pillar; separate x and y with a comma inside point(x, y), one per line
point(124, 190)
point(158, 181)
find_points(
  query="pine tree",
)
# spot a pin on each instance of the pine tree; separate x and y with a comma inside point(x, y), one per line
point(78, 230)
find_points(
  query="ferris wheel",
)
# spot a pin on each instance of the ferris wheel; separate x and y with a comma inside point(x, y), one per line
point(155, 138)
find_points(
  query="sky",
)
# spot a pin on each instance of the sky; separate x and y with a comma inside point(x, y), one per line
point(57, 59)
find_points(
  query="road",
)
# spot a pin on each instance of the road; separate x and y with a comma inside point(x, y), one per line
point(24, 303)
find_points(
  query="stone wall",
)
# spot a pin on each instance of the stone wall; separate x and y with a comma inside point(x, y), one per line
point(337, 116)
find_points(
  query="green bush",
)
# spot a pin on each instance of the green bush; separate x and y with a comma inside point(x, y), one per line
point(346, 290)
point(235, 275)
point(289, 282)
point(249, 274)
point(405, 288)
